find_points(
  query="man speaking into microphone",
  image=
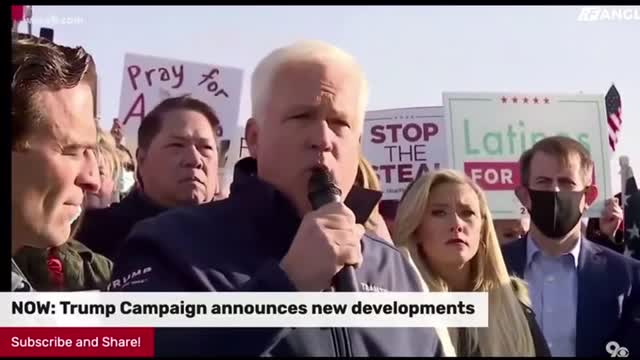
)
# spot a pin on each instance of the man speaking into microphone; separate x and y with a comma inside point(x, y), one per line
point(292, 222)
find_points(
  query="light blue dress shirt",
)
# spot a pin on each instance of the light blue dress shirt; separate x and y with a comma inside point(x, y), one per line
point(553, 287)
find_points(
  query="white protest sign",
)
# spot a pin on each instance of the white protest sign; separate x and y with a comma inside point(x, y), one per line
point(402, 144)
point(148, 80)
point(489, 131)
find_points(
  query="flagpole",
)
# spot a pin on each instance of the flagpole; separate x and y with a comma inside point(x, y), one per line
point(625, 174)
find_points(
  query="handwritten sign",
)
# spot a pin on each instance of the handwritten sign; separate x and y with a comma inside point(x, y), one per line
point(402, 144)
point(148, 80)
point(489, 131)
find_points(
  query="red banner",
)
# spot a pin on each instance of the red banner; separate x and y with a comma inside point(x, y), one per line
point(494, 175)
point(77, 342)
point(17, 12)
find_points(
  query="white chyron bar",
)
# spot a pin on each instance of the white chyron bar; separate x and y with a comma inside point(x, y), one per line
point(238, 309)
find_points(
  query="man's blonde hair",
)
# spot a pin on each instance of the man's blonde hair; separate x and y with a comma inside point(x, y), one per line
point(303, 51)
point(508, 333)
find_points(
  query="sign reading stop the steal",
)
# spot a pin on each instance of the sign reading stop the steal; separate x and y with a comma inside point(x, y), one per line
point(489, 131)
point(402, 144)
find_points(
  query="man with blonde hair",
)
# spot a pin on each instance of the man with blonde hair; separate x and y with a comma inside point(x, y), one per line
point(308, 107)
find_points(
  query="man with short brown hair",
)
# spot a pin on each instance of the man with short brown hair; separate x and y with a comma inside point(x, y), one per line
point(584, 295)
point(53, 130)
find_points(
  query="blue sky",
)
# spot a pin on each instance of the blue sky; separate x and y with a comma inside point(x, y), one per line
point(410, 54)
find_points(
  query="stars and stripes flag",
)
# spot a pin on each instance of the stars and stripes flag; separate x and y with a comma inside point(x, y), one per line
point(630, 200)
point(614, 115)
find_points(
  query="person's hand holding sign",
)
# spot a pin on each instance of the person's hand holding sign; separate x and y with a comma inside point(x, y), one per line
point(611, 218)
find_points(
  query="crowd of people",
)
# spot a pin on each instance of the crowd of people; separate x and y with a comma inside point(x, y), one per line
point(89, 215)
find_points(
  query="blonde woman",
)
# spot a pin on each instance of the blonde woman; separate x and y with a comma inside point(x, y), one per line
point(110, 168)
point(444, 225)
point(366, 177)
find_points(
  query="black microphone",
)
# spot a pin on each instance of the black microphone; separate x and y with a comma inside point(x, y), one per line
point(322, 191)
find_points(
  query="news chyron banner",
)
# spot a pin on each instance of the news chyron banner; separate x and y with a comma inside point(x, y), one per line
point(148, 80)
point(487, 133)
point(402, 144)
point(110, 324)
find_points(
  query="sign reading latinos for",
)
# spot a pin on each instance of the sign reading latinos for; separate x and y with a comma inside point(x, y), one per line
point(489, 131)
point(402, 144)
point(148, 80)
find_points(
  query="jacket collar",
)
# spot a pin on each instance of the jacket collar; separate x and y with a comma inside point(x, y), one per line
point(533, 249)
point(274, 212)
point(138, 202)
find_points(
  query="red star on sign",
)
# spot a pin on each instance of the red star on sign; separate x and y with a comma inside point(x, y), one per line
point(526, 100)
point(546, 100)
point(515, 100)
point(535, 100)
point(504, 99)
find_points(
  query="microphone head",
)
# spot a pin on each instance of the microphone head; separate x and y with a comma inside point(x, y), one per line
point(322, 184)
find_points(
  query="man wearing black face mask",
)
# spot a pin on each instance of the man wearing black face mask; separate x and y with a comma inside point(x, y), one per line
point(584, 295)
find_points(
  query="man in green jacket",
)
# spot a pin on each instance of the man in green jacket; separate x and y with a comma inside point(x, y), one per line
point(69, 267)
point(53, 142)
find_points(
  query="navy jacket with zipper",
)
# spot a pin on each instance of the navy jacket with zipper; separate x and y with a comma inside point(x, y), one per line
point(236, 245)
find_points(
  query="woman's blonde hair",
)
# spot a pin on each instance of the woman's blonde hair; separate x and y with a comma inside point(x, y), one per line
point(508, 333)
point(108, 152)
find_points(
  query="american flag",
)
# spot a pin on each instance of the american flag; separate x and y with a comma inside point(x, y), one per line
point(630, 199)
point(614, 115)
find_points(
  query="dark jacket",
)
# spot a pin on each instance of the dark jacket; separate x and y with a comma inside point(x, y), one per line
point(236, 244)
point(594, 234)
point(539, 342)
point(608, 296)
point(82, 268)
point(105, 230)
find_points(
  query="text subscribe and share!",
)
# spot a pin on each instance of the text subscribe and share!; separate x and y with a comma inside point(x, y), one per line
point(77, 342)
point(379, 309)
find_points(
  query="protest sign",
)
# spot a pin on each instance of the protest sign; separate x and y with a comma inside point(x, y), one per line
point(489, 131)
point(402, 144)
point(148, 80)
